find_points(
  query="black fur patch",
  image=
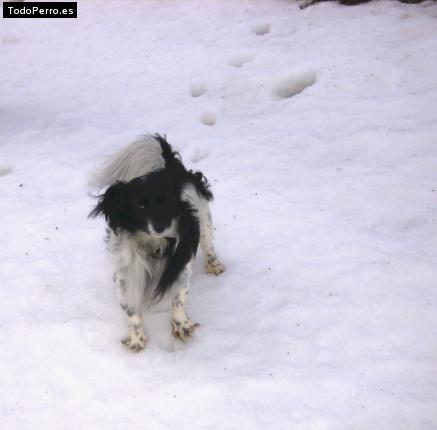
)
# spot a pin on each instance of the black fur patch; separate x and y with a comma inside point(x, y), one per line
point(188, 240)
point(173, 163)
point(113, 205)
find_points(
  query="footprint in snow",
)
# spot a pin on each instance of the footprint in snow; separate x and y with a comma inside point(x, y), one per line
point(261, 29)
point(199, 154)
point(207, 118)
point(240, 60)
point(10, 40)
point(4, 170)
point(293, 84)
point(198, 89)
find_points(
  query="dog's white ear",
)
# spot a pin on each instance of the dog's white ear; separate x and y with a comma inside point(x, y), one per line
point(113, 205)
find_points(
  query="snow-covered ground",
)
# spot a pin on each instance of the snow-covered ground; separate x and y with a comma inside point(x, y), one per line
point(318, 131)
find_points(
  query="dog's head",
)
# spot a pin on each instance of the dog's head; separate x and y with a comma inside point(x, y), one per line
point(153, 204)
point(148, 203)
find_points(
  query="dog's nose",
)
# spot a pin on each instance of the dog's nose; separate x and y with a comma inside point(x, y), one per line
point(159, 228)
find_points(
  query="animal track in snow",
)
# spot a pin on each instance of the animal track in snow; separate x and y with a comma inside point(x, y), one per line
point(261, 29)
point(207, 118)
point(294, 84)
point(10, 40)
point(4, 170)
point(196, 90)
point(199, 154)
point(240, 60)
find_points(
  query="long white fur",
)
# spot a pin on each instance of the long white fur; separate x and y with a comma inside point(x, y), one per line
point(136, 272)
point(139, 158)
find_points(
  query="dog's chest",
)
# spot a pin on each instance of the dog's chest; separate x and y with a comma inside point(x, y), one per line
point(153, 249)
point(133, 253)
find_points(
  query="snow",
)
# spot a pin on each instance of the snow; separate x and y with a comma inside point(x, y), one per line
point(294, 84)
point(324, 210)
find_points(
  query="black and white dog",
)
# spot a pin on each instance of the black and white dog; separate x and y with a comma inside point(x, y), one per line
point(157, 213)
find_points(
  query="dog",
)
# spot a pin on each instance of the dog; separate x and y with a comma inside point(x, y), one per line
point(157, 214)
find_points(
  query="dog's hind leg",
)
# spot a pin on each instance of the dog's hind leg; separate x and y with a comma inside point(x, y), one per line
point(213, 264)
point(182, 326)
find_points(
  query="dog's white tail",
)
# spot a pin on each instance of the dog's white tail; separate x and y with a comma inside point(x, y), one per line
point(139, 158)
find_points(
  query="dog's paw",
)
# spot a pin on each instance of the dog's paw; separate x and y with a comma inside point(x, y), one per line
point(214, 267)
point(183, 330)
point(213, 264)
point(135, 344)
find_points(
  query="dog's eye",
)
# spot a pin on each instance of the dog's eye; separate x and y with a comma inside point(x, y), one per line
point(144, 203)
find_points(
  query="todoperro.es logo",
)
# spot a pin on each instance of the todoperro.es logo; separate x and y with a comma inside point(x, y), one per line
point(40, 10)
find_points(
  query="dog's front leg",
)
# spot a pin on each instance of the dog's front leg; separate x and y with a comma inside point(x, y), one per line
point(136, 338)
point(182, 326)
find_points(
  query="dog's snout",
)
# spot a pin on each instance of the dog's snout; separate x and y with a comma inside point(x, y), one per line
point(159, 228)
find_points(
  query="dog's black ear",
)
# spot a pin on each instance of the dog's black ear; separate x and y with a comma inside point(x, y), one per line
point(113, 205)
point(188, 232)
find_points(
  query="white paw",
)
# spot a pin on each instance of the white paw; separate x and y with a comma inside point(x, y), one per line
point(183, 330)
point(134, 343)
point(214, 267)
